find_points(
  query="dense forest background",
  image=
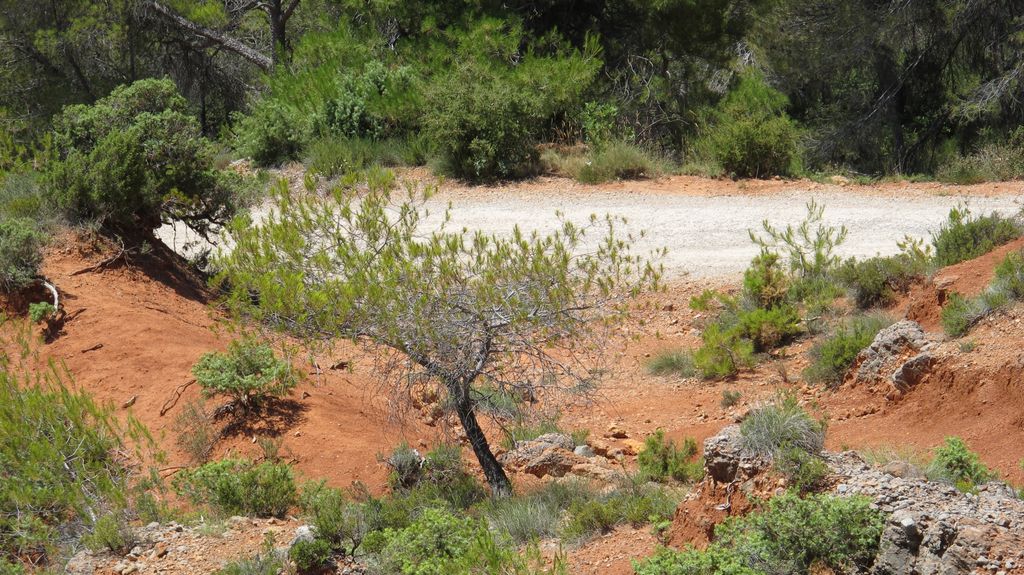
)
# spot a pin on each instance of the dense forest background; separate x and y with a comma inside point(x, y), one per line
point(494, 90)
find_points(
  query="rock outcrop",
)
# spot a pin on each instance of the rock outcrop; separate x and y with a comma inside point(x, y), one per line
point(899, 355)
point(556, 455)
point(931, 527)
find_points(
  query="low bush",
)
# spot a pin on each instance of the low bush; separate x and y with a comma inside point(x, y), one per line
point(767, 328)
point(879, 280)
point(618, 160)
point(441, 475)
point(833, 356)
point(730, 398)
point(672, 363)
point(960, 313)
point(750, 135)
point(430, 545)
point(956, 463)
point(769, 430)
point(1009, 276)
point(806, 472)
point(660, 459)
point(239, 487)
point(536, 515)
point(110, 532)
point(406, 466)
point(271, 133)
point(59, 452)
point(990, 163)
point(722, 353)
point(137, 158)
point(21, 253)
point(310, 556)
point(634, 504)
point(23, 195)
point(249, 373)
point(789, 535)
point(336, 520)
point(964, 236)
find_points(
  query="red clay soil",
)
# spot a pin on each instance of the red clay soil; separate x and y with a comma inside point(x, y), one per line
point(135, 331)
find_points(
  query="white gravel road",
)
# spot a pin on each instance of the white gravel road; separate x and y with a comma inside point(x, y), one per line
point(707, 235)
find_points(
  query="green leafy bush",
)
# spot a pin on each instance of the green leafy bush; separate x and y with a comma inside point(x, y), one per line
point(22, 195)
point(271, 133)
point(833, 356)
point(340, 522)
point(310, 556)
point(960, 313)
point(768, 328)
point(879, 280)
point(672, 363)
point(634, 504)
point(249, 373)
point(955, 462)
point(21, 246)
point(109, 532)
point(136, 158)
point(750, 134)
point(1009, 276)
point(806, 472)
point(764, 282)
point(788, 536)
point(406, 467)
point(239, 487)
point(722, 353)
point(964, 236)
point(660, 459)
point(440, 475)
point(430, 545)
point(483, 115)
point(771, 429)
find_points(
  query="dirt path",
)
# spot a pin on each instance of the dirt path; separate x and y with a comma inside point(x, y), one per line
point(704, 223)
point(706, 232)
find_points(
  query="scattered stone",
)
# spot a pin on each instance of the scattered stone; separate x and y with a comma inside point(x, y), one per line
point(303, 534)
point(584, 451)
point(912, 371)
point(889, 346)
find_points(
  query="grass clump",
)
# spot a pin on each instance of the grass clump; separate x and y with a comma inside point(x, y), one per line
point(730, 398)
point(672, 363)
point(239, 487)
point(833, 356)
point(769, 430)
point(789, 534)
point(195, 430)
point(964, 236)
point(535, 515)
point(634, 504)
point(618, 160)
point(249, 373)
point(660, 460)
point(109, 533)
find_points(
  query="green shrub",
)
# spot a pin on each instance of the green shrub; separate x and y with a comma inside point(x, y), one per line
point(879, 280)
point(660, 459)
point(767, 328)
point(239, 487)
point(21, 246)
point(271, 133)
point(110, 532)
point(249, 373)
point(722, 353)
point(41, 311)
point(195, 431)
point(771, 429)
point(632, 504)
point(806, 472)
point(750, 135)
point(59, 452)
point(441, 475)
point(959, 314)
point(955, 462)
point(764, 282)
point(501, 403)
point(618, 160)
point(1009, 276)
point(990, 163)
point(483, 115)
point(672, 363)
point(788, 536)
point(430, 545)
point(833, 356)
point(730, 398)
point(536, 515)
point(406, 467)
point(335, 519)
point(964, 236)
point(136, 158)
point(22, 195)
point(310, 556)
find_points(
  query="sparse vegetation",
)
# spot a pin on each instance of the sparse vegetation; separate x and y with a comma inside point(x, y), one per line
point(21, 247)
point(960, 313)
point(660, 460)
point(671, 362)
point(878, 281)
point(196, 434)
point(956, 463)
point(634, 504)
point(833, 356)
point(730, 398)
point(266, 562)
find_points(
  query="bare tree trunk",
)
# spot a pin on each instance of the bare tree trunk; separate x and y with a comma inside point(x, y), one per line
point(496, 477)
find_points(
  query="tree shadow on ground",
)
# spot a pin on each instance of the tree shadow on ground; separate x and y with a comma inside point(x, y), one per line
point(271, 418)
